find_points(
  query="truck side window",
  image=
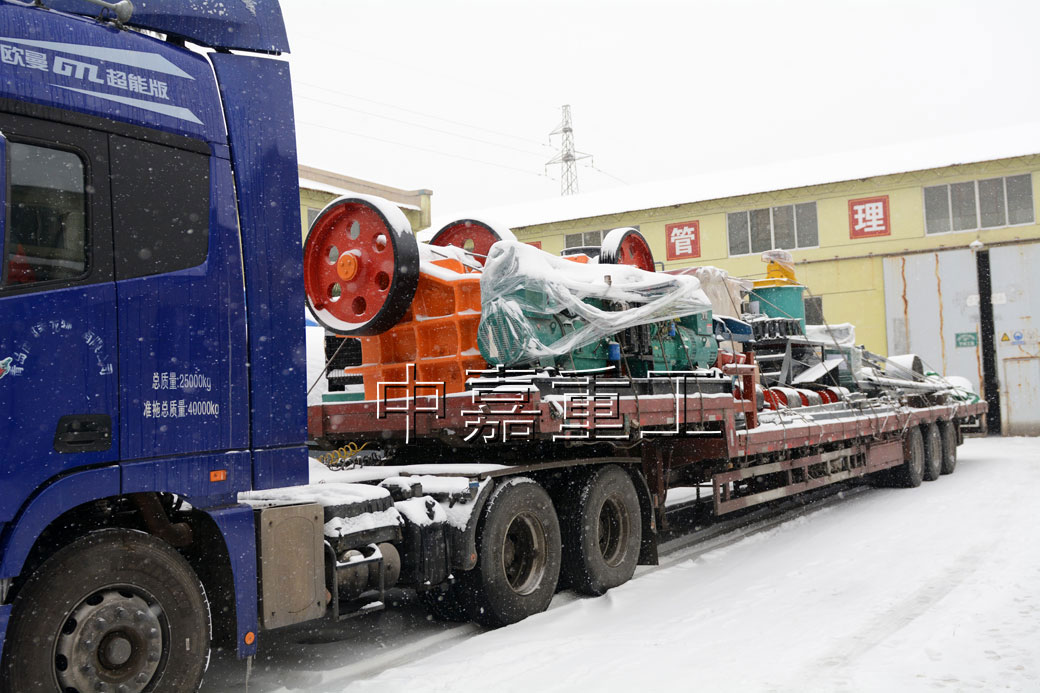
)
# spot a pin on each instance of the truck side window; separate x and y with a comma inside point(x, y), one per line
point(48, 225)
point(160, 207)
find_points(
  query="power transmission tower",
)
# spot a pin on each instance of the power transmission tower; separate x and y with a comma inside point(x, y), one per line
point(567, 155)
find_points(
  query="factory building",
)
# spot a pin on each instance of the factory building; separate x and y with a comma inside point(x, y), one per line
point(931, 250)
point(318, 188)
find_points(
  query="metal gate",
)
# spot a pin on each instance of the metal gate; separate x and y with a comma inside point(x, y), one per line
point(1015, 271)
point(932, 308)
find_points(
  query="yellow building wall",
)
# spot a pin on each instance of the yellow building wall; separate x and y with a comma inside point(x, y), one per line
point(846, 272)
point(315, 199)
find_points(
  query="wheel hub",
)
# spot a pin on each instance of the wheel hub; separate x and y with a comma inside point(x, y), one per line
point(613, 530)
point(111, 642)
point(524, 554)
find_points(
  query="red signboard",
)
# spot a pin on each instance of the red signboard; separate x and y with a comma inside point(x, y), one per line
point(683, 240)
point(536, 244)
point(869, 217)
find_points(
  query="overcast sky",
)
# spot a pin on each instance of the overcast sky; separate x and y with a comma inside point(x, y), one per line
point(459, 97)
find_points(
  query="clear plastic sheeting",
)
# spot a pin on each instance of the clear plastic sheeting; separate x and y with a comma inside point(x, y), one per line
point(842, 334)
point(522, 285)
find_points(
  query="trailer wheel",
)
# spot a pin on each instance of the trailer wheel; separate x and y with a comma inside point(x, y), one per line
point(933, 452)
point(948, 431)
point(117, 610)
point(519, 556)
point(602, 533)
point(911, 472)
point(444, 605)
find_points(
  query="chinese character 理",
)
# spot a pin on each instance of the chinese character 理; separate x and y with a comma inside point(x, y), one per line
point(870, 217)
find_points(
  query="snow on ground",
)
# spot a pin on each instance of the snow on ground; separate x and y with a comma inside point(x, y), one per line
point(936, 588)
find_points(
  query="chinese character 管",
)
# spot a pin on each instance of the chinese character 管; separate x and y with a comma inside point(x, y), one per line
point(683, 240)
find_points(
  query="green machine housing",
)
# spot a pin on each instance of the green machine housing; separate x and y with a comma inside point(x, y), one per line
point(509, 328)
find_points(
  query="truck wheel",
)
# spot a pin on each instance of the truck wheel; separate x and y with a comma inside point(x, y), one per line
point(117, 610)
point(911, 472)
point(519, 556)
point(933, 453)
point(444, 605)
point(602, 533)
point(948, 431)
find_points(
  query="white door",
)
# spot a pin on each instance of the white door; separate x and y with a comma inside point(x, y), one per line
point(1016, 326)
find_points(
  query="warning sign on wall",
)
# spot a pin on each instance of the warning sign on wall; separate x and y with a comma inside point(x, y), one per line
point(967, 339)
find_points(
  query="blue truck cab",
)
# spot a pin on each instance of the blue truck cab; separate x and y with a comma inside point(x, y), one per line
point(151, 331)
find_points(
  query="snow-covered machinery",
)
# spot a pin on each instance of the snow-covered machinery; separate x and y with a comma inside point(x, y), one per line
point(473, 296)
point(543, 311)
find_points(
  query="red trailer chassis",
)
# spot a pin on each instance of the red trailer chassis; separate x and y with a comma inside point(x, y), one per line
point(748, 456)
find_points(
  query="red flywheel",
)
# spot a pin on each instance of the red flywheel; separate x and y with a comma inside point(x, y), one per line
point(626, 246)
point(473, 236)
point(360, 266)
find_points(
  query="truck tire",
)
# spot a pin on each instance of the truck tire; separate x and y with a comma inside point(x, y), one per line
point(933, 451)
point(518, 564)
point(911, 472)
point(117, 610)
point(948, 431)
point(602, 533)
point(444, 605)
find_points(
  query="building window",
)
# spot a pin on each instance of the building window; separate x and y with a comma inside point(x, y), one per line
point(312, 214)
point(588, 239)
point(47, 239)
point(979, 204)
point(759, 230)
point(583, 240)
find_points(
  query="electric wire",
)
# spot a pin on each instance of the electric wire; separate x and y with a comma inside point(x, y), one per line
point(425, 115)
point(419, 125)
point(425, 149)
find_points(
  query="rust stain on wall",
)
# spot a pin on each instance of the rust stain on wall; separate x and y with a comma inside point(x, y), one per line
point(906, 304)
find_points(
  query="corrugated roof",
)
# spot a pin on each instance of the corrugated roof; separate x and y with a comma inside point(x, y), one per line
point(879, 161)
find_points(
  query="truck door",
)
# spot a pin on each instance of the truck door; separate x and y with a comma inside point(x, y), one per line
point(58, 366)
point(181, 299)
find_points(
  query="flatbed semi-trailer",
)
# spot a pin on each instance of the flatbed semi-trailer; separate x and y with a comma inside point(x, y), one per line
point(157, 497)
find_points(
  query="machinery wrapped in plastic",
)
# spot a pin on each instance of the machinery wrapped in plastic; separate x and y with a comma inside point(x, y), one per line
point(537, 307)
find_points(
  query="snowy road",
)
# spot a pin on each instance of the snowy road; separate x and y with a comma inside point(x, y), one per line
point(936, 588)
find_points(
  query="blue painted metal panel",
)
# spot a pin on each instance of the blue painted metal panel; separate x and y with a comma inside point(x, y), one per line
point(48, 505)
point(254, 25)
point(3, 205)
point(190, 477)
point(263, 155)
point(75, 64)
point(62, 346)
point(236, 525)
point(5, 615)
point(182, 347)
point(280, 467)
